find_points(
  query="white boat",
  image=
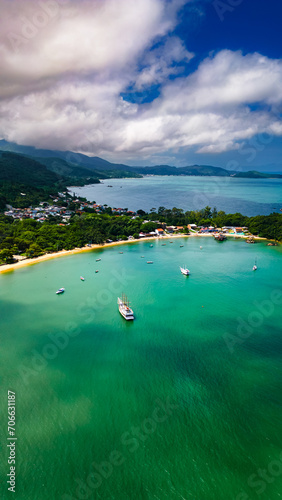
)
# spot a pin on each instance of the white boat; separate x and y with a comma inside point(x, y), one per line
point(255, 266)
point(124, 309)
point(61, 290)
point(82, 279)
point(185, 271)
point(98, 260)
point(150, 262)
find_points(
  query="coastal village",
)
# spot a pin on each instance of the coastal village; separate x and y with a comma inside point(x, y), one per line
point(75, 224)
point(44, 211)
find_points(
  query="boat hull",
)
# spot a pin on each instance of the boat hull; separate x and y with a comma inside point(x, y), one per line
point(184, 271)
point(125, 311)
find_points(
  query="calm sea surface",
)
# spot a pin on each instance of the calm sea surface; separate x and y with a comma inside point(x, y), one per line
point(181, 404)
point(248, 196)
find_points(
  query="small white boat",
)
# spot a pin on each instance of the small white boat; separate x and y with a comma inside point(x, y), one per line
point(82, 279)
point(185, 271)
point(181, 246)
point(124, 309)
point(97, 260)
point(150, 262)
point(61, 290)
point(255, 265)
point(151, 246)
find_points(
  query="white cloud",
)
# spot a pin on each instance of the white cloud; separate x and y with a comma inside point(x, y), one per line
point(62, 84)
point(160, 63)
point(44, 41)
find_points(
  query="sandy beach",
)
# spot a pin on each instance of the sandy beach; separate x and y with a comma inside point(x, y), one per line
point(48, 256)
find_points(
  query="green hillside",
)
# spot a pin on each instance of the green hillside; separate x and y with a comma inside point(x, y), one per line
point(24, 181)
point(81, 175)
point(18, 168)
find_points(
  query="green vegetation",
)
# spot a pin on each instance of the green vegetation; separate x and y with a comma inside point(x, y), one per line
point(18, 168)
point(266, 226)
point(25, 182)
point(33, 238)
point(78, 175)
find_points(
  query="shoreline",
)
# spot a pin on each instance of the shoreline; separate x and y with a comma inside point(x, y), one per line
point(63, 253)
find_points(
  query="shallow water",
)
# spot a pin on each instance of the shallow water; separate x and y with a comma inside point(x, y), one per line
point(88, 383)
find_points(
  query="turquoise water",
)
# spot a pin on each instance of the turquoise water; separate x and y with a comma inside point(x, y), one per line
point(91, 387)
point(248, 196)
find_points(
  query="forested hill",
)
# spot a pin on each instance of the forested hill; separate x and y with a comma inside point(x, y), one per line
point(18, 168)
point(206, 170)
point(80, 164)
point(97, 167)
point(24, 181)
point(189, 170)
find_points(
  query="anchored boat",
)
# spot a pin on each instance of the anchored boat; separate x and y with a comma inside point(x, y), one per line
point(124, 309)
point(61, 290)
point(185, 271)
point(220, 237)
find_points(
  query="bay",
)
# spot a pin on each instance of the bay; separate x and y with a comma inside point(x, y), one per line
point(89, 384)
point(248, 196)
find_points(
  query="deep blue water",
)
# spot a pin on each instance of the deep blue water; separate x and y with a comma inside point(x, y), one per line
point(248, 196)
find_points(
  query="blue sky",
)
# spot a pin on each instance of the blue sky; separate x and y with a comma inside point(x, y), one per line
point(145, 81)
point(251, 26)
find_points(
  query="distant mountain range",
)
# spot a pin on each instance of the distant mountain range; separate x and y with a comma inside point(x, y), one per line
point(82, 168)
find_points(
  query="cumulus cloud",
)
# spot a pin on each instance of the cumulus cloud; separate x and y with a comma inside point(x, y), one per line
point(45, 41)
point(66, 63)
point(162, 62)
